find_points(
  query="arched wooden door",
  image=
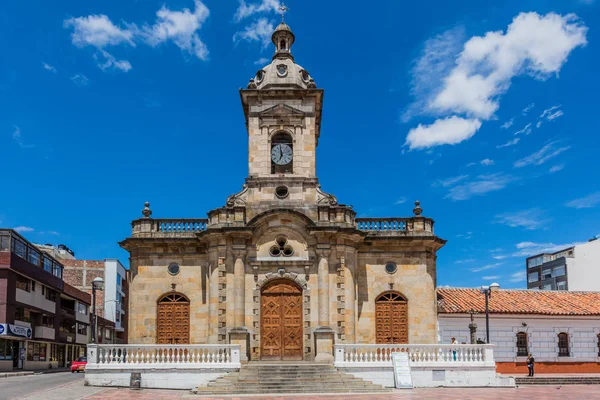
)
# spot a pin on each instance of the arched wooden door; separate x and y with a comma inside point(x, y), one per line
point(391, 313)
point(173, 319)
point(281, 321)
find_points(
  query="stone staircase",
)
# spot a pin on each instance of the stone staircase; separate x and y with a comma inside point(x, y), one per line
point(288, 379)
point(557, 380)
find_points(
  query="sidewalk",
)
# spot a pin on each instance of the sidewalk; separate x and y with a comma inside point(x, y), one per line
point(25, 373)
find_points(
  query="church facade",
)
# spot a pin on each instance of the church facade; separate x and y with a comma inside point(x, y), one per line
point(283, 269)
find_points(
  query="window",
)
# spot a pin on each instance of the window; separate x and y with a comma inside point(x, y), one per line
point(119, 279)
point(522, 348)
point(561, 285)
point(173, 269)
point(82, 329)
point(19, 248)
point(36, 351)
point(546, 287)
point(34, 257)
point(563, 344)
point(118, 316)
point(107, 334)
point(48, 267)
point(23, 283)
point(391, 267)
point(48, 321)
point(559, 271)
point(534, 262)
point(58, 271)
point(50, 295)
point(22, 314)
point(533, 277)
point(546, 273)
point(599, 345)
point(82, 308)
point(6, 349)
point(67, 326)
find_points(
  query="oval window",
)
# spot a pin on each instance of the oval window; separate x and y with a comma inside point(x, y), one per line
point(391, 267)
point(260, 75)
point(282, 70)
point(173, 268)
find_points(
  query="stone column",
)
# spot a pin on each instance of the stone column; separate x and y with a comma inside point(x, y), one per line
point(239, 333)
point(350, 287)
point(213, 301)
point(324, 335)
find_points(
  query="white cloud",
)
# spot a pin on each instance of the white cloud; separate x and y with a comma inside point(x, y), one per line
point(245, 10)
point(533, 44)
point(546, 153)
point(527, 249)
point(518, 277)
point(262, 61)
point(499, 257)
point(509, 143)
point(479, 186)
point(530, 219)
point(48, 67)
point(556, 168)
point(16, 135)
point(526, 130)
point(465, 236)
point(259, 31)
point(487, 162)
point(451, 130)
point(589, 201)
point(464, 261)
point(23, 229)
point(401, 200)
point(486, 267)
point(508, 124)
point(550, 114)
point(97, 31)
point(491, 277)
point(180, 27)
point(449, 181)
point(528, 108)
point(80, 80)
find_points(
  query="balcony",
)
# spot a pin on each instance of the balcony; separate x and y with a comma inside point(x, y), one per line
point(44, 332)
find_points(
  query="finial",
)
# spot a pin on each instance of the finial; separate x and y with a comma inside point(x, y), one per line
point(146, 211)
point(283, 9)
point(417, 210)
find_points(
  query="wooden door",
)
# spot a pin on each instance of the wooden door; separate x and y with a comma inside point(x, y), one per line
point(281, 321)
point(173, 319)
point(391, 313)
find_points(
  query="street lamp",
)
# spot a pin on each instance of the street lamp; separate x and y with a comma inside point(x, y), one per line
point(487, 291)
point(96, 285)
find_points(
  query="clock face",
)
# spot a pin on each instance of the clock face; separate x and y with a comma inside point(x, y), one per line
point(281, 154)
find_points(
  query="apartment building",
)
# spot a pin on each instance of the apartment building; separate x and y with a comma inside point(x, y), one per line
point(575, 268)
point(44, 322)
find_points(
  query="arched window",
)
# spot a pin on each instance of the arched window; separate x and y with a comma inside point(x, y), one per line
point(282, 153)
point(282, 45)
point(391, 318)
point(522, 345)
point(563, 344)
point(173, 319)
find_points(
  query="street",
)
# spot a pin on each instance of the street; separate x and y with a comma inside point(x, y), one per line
point(67, 386)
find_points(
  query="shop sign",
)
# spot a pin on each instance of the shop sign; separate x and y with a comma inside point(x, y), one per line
point(15, 330)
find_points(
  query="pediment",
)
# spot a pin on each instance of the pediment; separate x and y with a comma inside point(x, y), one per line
point(280, 110)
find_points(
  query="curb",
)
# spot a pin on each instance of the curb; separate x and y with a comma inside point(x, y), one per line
point(10, 374)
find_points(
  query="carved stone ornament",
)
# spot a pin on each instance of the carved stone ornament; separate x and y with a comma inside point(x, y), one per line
point(252, 84)
point(311, 84)
point(238, 199)
point(146, 212)
point(325, 198)
point(418, 210)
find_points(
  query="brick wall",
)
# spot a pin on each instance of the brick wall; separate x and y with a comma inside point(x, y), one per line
point(76, 270)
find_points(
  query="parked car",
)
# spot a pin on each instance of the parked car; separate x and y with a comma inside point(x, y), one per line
point(79, 364)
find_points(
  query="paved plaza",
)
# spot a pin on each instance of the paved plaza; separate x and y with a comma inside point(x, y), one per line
point(66, 386)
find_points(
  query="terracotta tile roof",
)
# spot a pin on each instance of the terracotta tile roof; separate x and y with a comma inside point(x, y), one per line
point(546, 302)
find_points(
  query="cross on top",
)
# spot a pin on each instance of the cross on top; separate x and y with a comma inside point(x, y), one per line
point(283, 9)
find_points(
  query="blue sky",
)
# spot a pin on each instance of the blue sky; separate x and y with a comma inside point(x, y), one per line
point(485, 111)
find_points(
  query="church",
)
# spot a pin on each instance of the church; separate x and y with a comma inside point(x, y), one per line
point(282, 268)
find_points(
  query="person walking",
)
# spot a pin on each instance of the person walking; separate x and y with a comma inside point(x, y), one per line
point(530, 364)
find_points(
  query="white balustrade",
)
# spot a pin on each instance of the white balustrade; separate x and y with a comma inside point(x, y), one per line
point(364, 355)
point(114, 356)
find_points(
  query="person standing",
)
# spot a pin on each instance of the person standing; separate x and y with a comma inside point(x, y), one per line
point(454, 342)
point(530, 364)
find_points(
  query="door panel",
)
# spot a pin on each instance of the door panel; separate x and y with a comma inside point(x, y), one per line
point(173, 323)
point(391, 322)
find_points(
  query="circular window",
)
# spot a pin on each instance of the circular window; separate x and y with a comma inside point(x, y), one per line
point(281, 241)
point(275, 251)
point(173, 268)
point(288, 251)
point(260, 75)
point(391, 267)
point(305, 76)
point(282, 70)
point(282, 192)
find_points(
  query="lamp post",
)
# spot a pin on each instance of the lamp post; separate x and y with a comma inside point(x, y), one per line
point(487, 291)
point(96, 285)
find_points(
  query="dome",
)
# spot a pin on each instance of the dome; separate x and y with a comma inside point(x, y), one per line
point(282, 72)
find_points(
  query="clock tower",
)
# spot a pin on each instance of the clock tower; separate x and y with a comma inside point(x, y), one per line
point(282, 107)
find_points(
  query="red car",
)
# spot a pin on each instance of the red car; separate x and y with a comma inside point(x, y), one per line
point(79, 364)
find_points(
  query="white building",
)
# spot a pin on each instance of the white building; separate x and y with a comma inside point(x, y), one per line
point(560, 329)
point(576, 268)
point(114, 293)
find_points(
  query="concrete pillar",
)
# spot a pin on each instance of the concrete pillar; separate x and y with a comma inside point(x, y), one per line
point(239, 334)
point(213, 304)
point(323, 334)
point(350, 291)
